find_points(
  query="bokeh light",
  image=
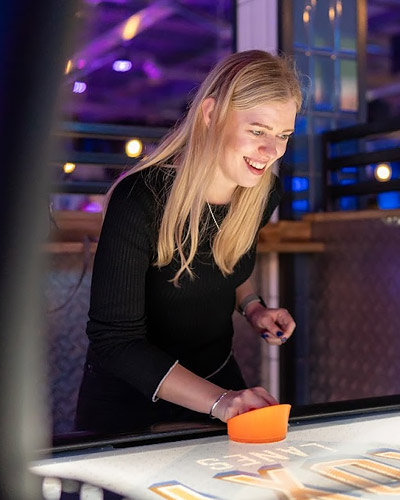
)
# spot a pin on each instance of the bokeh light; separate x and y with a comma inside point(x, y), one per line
point(122, 65)
point(79, 87)
point(133, 148)
point(383, 172)
point(69, 167)
point(131, 27)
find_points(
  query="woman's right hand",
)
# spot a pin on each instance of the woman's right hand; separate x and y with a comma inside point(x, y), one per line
point(237, 402)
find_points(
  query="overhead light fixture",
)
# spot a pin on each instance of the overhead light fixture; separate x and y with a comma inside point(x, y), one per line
point(68, 67)
point(131, 27)
point(122, 65)
point(79, 87)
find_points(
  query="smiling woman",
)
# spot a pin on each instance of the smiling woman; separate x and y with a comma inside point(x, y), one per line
point(176, 252)
point(254, 139)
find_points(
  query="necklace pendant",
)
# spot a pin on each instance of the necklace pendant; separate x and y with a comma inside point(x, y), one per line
point(213, 217)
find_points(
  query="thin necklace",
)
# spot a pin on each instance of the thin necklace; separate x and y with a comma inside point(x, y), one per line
point(212, 215)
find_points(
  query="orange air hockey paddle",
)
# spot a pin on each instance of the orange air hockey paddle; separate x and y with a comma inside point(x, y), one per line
point(263, 425)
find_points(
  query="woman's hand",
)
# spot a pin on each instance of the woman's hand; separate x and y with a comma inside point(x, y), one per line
point(237, 402)
point(275, 325)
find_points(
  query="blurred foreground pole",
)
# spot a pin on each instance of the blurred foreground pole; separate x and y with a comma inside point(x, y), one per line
point(33, 48)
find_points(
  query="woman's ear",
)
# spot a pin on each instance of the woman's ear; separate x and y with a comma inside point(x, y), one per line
point(207, 108)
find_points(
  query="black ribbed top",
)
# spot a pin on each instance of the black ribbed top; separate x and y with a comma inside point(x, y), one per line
point(140, 323)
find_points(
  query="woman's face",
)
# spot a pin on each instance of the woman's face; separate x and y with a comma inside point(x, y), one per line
point(253, 140)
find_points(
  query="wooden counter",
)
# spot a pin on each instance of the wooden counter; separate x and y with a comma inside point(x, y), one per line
point(73, 228)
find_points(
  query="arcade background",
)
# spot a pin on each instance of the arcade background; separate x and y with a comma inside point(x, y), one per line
point(335, 262)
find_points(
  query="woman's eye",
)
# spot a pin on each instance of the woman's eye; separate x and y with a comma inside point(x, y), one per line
point(284, 137)
point(257, 132)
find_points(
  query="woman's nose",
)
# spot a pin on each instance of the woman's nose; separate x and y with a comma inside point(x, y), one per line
point(268, 148)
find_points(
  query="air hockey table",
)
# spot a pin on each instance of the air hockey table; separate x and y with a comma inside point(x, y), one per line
point(339, 451)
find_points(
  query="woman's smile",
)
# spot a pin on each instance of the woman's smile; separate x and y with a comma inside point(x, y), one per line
point(256, 167)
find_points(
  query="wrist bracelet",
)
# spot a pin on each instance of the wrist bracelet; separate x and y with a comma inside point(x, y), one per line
point(216, 402)
point(248, 300)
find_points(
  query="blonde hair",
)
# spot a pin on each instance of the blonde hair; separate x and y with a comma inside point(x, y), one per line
point(241, 81)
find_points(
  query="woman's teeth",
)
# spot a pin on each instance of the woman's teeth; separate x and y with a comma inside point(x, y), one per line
point(255, 164)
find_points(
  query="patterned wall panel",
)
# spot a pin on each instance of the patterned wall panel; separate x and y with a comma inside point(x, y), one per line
point(354, 311)
point(67, 340)
point(246, 347)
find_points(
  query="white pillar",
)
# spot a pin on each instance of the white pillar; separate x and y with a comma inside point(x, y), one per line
point(257, 28)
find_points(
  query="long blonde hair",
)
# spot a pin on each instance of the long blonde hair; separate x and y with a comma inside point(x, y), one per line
point(241, 81)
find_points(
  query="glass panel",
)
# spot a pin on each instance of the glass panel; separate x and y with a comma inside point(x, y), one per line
point(348, 85)
point(324, 83)
point(322, 124)
point(347, 13)
point(319, 125)
point(323, 22)
point(300, 150)
point(297, 154)
point(303, 67)
point(301, 125)
point(299, 144)
point(347, 121)
point(300, 24)
point(301, 168)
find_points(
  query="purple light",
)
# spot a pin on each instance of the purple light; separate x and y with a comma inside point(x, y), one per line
point(92, 207)
point(122, 65)
point(151, 70)
point(79, 87)
point(81, 64)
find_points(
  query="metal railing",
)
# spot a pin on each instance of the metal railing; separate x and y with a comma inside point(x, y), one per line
point(359, 160)
point(70, 131)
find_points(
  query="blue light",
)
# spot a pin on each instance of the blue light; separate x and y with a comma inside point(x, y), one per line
point(389, 200)
point(300, 206)
point(299, 184)
point(301, 125)
point(347, 181)
point(349, 170)
point(348, 203)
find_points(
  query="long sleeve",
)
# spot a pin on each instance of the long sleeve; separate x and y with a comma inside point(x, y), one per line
point(117, 324)
point(140, 323)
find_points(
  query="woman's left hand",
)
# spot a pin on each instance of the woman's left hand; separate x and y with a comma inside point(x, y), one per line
point(275, 325)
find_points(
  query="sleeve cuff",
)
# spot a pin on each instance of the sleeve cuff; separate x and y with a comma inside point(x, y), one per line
point(154, 398)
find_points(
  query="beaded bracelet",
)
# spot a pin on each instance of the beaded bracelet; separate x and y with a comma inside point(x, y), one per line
point(216, 402)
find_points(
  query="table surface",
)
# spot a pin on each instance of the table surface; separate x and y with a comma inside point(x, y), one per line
point(339, 458)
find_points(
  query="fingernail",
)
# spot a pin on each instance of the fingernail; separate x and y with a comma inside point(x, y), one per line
point(279, 334)
point(283, 340)
point(265, 335)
